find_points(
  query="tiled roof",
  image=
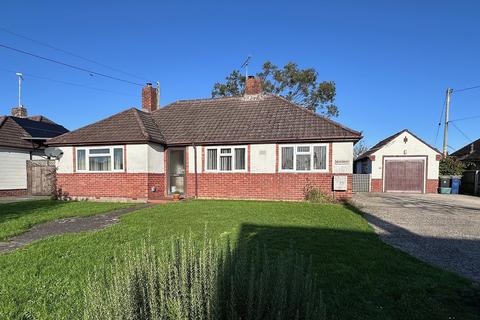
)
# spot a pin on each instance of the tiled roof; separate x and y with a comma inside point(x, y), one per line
point(213, 121)
point(131, 125)
point(465, 153)
point(18, 132)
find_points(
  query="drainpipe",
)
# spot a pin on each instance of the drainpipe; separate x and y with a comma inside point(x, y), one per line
point(195, 166)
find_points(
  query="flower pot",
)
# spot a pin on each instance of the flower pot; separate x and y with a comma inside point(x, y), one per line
point(176, 197)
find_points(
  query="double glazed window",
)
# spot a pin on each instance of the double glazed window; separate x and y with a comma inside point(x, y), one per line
point(304, 157)
point(226, 159)
point(100, 159)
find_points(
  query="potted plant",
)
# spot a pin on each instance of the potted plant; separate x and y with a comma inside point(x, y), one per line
point(176, 195)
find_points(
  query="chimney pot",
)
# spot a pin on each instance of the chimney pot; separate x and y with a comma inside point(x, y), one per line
point(253, 86)
point(149, 98)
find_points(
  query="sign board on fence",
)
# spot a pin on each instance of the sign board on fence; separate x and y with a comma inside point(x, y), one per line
point(340, 183)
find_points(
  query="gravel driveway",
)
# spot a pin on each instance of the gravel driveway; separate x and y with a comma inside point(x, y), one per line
point(441, 229)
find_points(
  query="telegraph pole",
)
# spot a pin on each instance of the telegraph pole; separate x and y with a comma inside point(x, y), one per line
point(445, 131)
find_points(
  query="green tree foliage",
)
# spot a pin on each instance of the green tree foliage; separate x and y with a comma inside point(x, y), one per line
point(450, 166)
point(300, 86)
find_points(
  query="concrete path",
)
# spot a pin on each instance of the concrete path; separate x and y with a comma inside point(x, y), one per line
point(22, 198)
point(441, 229)
point(67, 225)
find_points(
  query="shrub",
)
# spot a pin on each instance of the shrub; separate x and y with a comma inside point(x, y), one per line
point(314, 194)
point(450, 166)
point(187, 280)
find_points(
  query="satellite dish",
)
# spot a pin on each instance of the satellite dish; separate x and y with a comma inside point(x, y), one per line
point(53, 152)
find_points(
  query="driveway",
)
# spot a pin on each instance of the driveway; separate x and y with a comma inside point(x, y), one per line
point(441, 229)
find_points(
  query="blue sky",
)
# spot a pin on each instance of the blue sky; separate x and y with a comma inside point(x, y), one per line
point(391, 61)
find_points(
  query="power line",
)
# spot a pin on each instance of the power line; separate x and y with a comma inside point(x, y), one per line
point(465, 89)
point(68, 83)
point(463, 133)
point(71, 54)
point(466, 118)
point(439, 123)
point(90, 72)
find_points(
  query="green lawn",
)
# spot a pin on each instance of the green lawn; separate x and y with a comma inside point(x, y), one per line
point(361, 277)
point(17, 217)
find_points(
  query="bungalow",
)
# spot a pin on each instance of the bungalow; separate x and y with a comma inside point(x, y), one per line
point(401, 162)
point(255, 146)
point(469, 155)
point(22, 138)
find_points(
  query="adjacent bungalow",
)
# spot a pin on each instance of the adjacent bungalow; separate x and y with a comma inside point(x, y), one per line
point(401, 163)
point(22, 138)
point(469, 155)
point(255, 146)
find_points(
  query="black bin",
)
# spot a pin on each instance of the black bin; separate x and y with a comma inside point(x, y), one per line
point(445, 182)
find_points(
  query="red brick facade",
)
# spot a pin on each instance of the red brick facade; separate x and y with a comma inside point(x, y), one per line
point(432, 186)
point(135, 186)
point(13, 193)
point(376, 185)
point(150, 186)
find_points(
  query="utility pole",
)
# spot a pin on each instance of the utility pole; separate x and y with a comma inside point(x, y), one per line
point(445, 131)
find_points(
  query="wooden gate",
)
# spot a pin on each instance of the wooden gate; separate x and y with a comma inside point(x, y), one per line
point(40, 177)
point(404, 175)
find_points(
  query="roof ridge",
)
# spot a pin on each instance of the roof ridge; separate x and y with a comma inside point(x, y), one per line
point(317, 115)
point(141, 124)
point(152, 118)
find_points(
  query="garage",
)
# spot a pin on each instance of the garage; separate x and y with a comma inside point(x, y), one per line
point(400, 163)
point(404, 175)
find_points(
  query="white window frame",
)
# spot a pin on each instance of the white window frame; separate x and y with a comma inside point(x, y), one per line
point(218, 148)
point(87, 159)
point(311, 145)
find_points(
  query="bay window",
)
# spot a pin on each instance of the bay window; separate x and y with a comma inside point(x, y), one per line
point(226, 159)
point(100, 159)
point(301, 158)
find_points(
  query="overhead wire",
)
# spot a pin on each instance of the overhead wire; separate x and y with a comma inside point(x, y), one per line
point(90, 72)
point(72, 54)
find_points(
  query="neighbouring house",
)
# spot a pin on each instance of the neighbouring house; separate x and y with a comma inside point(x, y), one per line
point(401, 163)
point(255, 146)
point(469, 155)
point(22, 138)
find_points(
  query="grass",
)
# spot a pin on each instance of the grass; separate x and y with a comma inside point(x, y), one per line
point(17, 217)
point(360, 276)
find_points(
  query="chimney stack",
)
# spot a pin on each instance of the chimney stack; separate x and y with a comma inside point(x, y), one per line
point(253, 86)
point(19, 112)
point(149, 98)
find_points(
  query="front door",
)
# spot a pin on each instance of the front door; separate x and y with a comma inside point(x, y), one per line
point(176, 170)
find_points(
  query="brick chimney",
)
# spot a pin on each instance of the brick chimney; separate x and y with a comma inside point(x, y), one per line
point(19, 112)
point(149, 98)
point(253, 86)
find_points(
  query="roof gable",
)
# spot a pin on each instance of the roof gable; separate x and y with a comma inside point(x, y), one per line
point(383, 143)
point(465, 151)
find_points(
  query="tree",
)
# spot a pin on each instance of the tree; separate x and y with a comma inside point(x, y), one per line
point(300, 86)
point(359, 148)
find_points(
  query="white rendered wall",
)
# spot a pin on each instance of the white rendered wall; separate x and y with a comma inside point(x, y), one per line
point(191, 159)
point(156, 158)
point(342, 157)
point(262, 158)
point(65, 163)
point(413, 147)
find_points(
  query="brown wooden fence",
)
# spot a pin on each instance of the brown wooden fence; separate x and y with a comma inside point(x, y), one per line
point(40, 177)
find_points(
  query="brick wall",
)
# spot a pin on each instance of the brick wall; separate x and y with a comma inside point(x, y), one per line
point(432, 186)
point(376, 185)
point(279, 186)
point(13, 192)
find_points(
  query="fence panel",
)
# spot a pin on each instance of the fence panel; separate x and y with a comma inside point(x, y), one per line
point(471, 182)
point(40, 177)
point(361, 182)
